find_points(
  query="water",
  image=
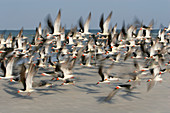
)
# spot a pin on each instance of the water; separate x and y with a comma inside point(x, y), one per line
point(30, 33)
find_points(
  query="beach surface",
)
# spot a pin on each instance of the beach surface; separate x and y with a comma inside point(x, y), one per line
point(85, 96)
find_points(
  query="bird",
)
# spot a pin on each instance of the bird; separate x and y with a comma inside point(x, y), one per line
point(156, 77)
point(116, 89)
point(105, 77)
point(104, 25)
point(68, 82)
point(7, 67)
point(26, 77)
point(85, 28)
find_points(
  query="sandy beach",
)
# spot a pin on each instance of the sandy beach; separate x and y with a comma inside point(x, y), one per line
point(85, 96)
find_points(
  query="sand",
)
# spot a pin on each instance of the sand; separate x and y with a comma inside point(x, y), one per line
point(86, 96)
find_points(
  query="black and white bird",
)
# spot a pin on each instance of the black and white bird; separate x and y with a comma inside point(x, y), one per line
point(116, 89)
point(26, 77)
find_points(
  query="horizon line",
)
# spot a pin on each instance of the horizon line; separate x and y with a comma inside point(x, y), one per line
point(65, 29)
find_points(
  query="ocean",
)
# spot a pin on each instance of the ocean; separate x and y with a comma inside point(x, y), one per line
point(31, 33)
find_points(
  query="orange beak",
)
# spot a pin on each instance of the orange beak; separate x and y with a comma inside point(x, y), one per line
point(74, 57)
point(142, 70)
point(11, 80)
point(117, 87)
point(43, 74)
point(149, 80)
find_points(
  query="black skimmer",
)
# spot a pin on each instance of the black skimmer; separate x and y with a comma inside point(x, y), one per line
point(8, 68)
point(9, 41)
point(116, 89)
point(105, 76)
point(156, 77)
point(85, 28)
point(68, 82)
point(104, 25)
point(26, 77)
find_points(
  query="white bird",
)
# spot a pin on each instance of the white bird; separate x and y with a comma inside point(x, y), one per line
point(156, 77)
point(116, 89)
point(85, 27)
point(104, 25)
point(26, 77)
point(8, 68)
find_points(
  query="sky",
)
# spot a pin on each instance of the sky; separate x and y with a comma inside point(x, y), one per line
point(28, 13)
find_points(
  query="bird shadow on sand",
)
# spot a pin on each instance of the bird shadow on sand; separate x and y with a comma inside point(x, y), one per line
point(82, 74)
point(13, 91)
point(102, 100)
point(92, 71)
point(92, 85)
point(79, 79)
point(50, 90)
point(12, 83)
point(86, 89)
point(130, 96)
point(77, 68)
point(123, 63)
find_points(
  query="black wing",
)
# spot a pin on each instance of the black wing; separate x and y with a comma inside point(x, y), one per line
point(101, 22)
point(101, 72)
point(50, 23)
point(81, 25)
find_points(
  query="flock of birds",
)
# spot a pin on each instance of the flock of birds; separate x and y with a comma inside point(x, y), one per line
point(54, 49)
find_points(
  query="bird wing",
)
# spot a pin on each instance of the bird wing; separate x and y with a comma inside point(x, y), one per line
point(29, 76)
point(9, 67)
point(20, 33)
point(150, 85)
point(106, 23)
point(128, 54)
point(57, 23)
point(111, 94)
point(81, 24)
point(136, 65)
point(101, 22)
point(86, 25)
point(39, 29)
point(50, 23)
point(22, 76)
point(100, 71)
